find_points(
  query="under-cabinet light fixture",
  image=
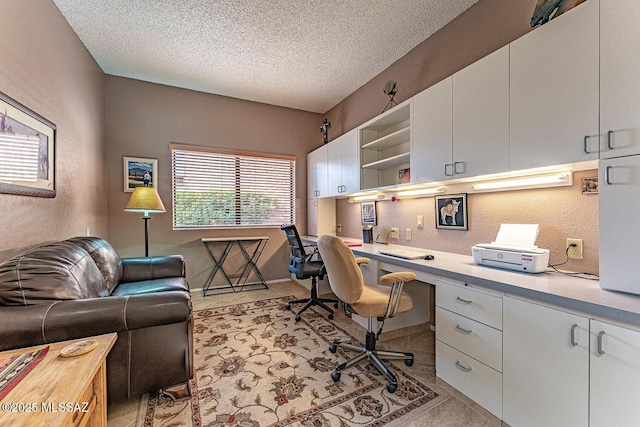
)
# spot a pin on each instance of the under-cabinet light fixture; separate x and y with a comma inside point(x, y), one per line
point(558, 179)
point(366, 197)
point(420, 192)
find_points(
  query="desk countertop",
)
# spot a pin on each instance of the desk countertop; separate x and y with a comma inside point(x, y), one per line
point(566, 291)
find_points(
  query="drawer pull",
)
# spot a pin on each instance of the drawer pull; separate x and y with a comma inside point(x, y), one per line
point(463, 330)
point(573, 335)
point(600, 349)
point(464, 301)
point(461, 366)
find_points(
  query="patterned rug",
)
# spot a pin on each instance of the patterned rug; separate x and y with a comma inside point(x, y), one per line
point(256, 367)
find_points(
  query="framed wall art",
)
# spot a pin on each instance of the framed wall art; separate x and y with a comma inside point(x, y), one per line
point(27, 151)
point(139, 172)
point(451, 211)
point(590, 185)
point(368, 210)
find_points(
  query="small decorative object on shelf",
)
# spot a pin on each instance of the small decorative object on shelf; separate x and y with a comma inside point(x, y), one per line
point(544, 9)
point(390, 90)
point(326, 125)
point(404, 176)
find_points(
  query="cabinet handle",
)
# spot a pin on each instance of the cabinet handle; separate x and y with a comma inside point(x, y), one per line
point(609, 146)
point(585, 145)
point(464, 301)
point(455, 168)
point(445, 169)
point(463, 330)
point(600, 335)
point(573, 335)
point(607, 175)
point(461, 366)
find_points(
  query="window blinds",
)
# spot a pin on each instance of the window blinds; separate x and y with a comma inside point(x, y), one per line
point(223, 188)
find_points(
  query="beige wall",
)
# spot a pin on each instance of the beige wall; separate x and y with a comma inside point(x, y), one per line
point(143, 118)
point(562, 213)
point(45, 67)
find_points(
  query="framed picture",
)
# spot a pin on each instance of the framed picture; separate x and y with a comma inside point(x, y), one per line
point(368, 213)
point(590, 185)
point(404, 176)
point(27, 151)
point(139, 172)
point(451, 211)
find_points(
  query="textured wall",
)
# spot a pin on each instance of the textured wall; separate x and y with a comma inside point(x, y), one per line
point(562, 212)
point(143, 118)
point(45, 67)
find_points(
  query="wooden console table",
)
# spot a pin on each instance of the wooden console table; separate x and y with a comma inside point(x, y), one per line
point(61, 391)
point(251, 249)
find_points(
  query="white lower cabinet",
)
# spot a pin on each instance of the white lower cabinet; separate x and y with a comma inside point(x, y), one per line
point(545, 366)
point(469, 342)
point(615, 375)
point(564, 369)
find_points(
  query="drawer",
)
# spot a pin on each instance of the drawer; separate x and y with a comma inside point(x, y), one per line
point(470, 302)
point(475, 339)
point(477, 381)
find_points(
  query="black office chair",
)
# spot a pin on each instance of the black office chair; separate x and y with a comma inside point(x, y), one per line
point(301, 264)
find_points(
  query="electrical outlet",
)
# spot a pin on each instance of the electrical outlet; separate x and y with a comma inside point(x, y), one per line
point(407, 234)
point(574, 252)
point(339, 228)
point(395, 233)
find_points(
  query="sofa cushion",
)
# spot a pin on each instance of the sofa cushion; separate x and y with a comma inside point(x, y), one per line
point(55, 271)
point(105, 257)
point(151, 286)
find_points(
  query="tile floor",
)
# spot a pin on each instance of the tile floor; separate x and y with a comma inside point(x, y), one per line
point(455, 411)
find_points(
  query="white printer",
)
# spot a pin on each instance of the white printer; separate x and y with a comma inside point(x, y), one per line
point(513, 249)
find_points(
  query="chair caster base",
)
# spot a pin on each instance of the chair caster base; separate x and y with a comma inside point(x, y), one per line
point(298, 318)
point(408, 362)
point(335, 376)
point(391, 387)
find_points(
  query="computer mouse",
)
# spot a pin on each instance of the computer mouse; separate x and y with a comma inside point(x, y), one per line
point(428, 257)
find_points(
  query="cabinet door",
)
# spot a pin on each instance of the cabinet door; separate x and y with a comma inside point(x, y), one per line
point(618, 188)
point(312, 217)
point(431, 141)
point(481, 116)
point(620, 77)
point(554, 91)
point(317, 173)
point(349, 166)
point(545, 374)
point(615, 375)
point(334, 167)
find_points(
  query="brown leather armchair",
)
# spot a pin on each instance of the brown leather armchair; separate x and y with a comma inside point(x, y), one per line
point(80, 287)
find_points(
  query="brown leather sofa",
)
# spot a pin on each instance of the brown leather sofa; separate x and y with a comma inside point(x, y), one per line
point(80, 287)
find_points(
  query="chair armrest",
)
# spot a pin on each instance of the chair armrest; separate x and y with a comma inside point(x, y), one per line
point(362, 260)
point(396, 280)
point(22, 326)
point(148, 268)
point(400, 276)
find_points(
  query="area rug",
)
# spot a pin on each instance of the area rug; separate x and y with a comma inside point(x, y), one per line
point(255, 366)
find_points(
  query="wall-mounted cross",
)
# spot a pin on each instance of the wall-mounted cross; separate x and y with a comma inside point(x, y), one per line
point(326, 125)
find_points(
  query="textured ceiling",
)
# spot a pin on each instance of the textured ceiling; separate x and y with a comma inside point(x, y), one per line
point(303, 54)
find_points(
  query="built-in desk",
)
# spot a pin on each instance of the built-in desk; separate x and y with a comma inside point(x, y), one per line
point(552, 288)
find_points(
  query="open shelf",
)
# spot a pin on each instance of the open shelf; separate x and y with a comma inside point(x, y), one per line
point(388, 162)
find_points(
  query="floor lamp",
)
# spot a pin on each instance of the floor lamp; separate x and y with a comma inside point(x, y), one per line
point(146, 200)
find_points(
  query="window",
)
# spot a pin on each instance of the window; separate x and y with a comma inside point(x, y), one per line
point(224, 188)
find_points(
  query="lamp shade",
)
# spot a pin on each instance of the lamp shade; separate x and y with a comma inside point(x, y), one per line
point(145, 199)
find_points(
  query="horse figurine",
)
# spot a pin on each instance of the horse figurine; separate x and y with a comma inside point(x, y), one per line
point(544, 9)
point(451, 210)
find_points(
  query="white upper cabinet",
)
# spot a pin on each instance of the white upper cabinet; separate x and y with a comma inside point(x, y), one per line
point(317, 173)
point(432, 139)
point(620, 77)
point(342, 158)
point(554, 91)
point(481, 117)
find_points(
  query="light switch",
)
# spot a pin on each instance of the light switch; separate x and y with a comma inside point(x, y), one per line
point(407, 233)
point(420, 220)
